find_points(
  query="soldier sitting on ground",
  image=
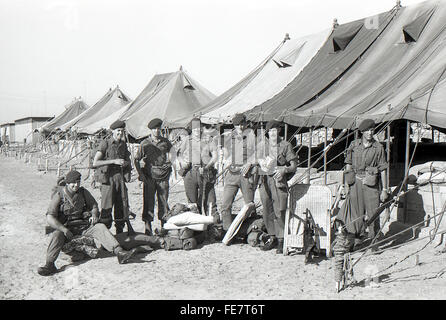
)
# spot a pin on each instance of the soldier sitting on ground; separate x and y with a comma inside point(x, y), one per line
point(73, 211)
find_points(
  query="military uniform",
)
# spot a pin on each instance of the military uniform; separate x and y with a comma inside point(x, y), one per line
point(157, 170)
point(364, 198)
point(112, 182)
point(70, 210)
point(198, 153)
point(238, 150)
point(274, 193)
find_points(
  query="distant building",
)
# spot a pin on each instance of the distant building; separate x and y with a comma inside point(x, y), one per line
point(24, 129)
point(7, 132)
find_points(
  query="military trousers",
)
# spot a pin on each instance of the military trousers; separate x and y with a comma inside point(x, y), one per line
point(233, 183)
point(99, 232)
point(274, 203)
point(197, 186)
point(112, 198)
point(160, 189)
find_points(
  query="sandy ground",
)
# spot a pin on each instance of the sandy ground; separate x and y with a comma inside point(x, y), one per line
point(214, 271)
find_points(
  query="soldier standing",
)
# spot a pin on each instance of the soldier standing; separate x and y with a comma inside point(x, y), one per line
point(365, 175)
point(273, 185)
point(112, 160)
point(155, 153)
point(239, 160)
point(199, 159)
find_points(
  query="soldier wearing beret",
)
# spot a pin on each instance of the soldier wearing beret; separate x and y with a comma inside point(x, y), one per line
point(111, 159)
point(198, 160)
point(72, 212)
point(154, 151)
point(273, 184)
point(366, 184)
point(240, 162)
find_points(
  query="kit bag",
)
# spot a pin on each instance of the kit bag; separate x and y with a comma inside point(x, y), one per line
point(371, 174)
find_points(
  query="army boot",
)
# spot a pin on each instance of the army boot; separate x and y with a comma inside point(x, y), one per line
point(271, 243)
point(48, 269)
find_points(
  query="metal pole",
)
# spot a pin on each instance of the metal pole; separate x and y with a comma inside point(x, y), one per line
point(406, 168)
point(286, 132)
point(325, 156)
point(309, 155)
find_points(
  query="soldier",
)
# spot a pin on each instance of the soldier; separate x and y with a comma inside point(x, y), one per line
point(155, 153)
point(199, 159)
point(365, 173)
point(240, 163)
point(73, 211)
point(273, 185)
point(112, 161)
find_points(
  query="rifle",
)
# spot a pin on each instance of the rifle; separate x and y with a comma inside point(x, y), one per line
point(125, 206)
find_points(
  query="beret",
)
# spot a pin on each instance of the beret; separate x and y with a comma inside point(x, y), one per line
point(366, 125)
point(155, 123)
point(72, 176)
point(273, 124)
point(238, 119)
point(117, 124)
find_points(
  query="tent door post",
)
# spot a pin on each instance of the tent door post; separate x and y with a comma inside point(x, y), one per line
point(406, 168)
point(325, 156)
point(388, 162)
point(309, 155)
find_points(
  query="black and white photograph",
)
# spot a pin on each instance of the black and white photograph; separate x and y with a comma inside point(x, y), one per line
point(222, 155)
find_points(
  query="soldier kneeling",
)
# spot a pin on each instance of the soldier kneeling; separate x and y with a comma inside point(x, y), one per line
point(73, 211)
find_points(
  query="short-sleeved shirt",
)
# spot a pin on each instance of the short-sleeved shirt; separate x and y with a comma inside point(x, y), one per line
point(63, 203)
point(240, 149)
point(154, 152)
point(361, 157)
point(199, 151)
point(112, 149)
point(283, 153)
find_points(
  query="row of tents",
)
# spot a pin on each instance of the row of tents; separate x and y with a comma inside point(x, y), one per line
point(386, 67)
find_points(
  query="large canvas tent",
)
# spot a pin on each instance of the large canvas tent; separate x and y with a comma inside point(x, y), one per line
point(72, 110)
point(396, 71)
point(269, 78)
point(105, 122)
point(112, 101)
point(173, 97)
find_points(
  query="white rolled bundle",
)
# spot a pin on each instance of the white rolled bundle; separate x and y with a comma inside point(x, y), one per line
point(195, 227)
point(187, 218)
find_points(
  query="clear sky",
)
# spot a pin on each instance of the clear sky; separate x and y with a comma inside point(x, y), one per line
point(55, 50)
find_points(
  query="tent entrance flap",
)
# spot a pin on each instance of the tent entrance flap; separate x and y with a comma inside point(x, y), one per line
point(344, 35)
point(413, 30)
